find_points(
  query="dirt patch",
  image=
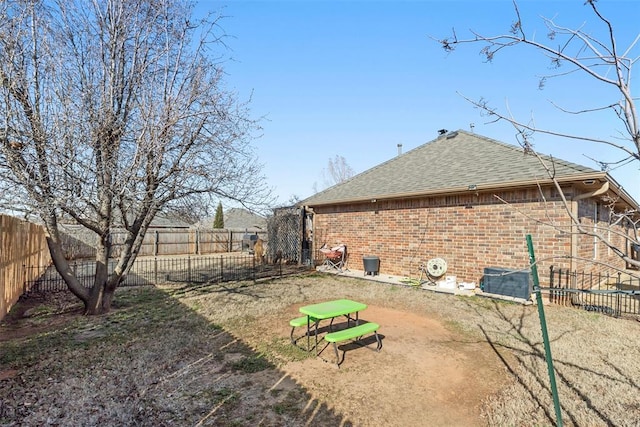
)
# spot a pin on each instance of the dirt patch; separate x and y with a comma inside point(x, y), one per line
point(424, 374)
point(39, 312)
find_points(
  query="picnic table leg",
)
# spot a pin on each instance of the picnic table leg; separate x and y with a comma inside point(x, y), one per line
point(349, 319)
point(308, 332)
point(316, 335)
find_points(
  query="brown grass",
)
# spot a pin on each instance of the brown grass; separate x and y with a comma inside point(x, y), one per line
point(202, 356)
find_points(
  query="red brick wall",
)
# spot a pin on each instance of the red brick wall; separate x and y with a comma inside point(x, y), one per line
point(469, 231)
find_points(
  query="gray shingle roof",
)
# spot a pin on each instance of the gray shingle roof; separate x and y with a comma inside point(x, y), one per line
point(237, 219)
point(449, 163)
point(241, 218)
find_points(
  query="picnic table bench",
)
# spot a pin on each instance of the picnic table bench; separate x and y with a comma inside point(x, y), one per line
point(356, 332)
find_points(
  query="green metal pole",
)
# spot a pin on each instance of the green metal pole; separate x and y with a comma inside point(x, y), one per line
point(545, 335)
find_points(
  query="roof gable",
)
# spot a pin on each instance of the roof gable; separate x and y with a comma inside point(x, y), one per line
point(452, 162)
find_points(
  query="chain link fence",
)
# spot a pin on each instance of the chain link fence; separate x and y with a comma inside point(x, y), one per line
point(285, 231)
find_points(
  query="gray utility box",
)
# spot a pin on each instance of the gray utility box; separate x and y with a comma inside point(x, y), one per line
point(502, 281)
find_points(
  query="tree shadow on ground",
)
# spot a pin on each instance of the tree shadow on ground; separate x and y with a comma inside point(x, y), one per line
point(530, 356)
point(152, 361)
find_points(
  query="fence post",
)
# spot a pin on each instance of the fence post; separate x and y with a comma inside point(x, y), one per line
point(221, 268)
point(189, 270)
point(545, 334)
point(551, 283)
point(24, 281)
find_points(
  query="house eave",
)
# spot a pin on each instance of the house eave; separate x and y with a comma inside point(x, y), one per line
point(620, 192)
point(579, 180)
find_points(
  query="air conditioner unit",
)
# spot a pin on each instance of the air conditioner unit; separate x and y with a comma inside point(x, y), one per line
point(503, 281)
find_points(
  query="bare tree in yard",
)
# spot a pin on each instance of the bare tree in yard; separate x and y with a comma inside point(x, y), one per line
point(601, 60)
point(112, 111)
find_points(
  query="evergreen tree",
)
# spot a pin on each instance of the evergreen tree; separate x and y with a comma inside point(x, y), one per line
point(218, 220)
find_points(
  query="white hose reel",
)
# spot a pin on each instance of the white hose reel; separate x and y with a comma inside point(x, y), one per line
point(436, 267)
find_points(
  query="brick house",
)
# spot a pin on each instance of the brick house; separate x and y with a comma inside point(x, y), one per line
point(470, 200)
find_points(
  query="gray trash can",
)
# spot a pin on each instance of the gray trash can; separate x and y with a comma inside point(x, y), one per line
point(371, 265)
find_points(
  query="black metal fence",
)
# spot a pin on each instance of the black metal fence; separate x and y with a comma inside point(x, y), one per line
point(615, 294)
point(192, 270)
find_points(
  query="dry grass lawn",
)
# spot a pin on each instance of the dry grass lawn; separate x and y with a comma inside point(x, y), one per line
point(220, 355)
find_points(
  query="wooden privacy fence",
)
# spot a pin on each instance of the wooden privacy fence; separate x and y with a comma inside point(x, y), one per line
point(80, 243)
point(21, 243)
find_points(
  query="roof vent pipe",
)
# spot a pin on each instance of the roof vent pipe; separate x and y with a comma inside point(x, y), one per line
point(399, 149)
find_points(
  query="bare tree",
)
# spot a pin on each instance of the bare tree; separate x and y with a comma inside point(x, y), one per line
point(573, 51)
point(113, 111)
point(337, 171)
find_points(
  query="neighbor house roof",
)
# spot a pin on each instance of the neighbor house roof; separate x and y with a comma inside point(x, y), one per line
point(242, 218)
point(451, 164)
point(238, 219)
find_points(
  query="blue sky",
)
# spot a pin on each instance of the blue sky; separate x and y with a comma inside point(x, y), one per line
point(356, 78)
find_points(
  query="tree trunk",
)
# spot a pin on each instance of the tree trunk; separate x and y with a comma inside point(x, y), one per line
point(107, 299)
point(60, 262)
point(62, 266)
point(97, 296)
point(94, 305)
point(101, 299)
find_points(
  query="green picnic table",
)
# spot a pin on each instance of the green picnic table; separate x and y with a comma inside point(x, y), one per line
point(330, 310)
